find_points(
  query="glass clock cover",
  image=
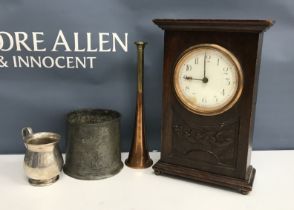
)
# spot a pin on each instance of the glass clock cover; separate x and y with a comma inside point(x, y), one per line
point(208, 79)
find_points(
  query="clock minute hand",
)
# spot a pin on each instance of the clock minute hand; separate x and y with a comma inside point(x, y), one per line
point(204, 79)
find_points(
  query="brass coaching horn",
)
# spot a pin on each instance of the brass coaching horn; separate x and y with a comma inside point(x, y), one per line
point(139, 155)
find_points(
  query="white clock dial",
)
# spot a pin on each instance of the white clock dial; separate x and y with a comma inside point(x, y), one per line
point(208, 79)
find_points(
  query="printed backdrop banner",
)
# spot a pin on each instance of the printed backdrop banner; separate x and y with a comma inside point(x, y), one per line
point(60, 55)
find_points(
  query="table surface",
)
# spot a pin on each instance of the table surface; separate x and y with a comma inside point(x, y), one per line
point(135, 189)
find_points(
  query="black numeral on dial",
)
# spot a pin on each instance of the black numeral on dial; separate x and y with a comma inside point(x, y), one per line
point(188, 67)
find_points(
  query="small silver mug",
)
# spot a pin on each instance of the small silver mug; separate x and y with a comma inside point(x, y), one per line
point(43, 160)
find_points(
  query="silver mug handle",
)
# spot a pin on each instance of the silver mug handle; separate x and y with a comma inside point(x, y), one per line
point(27, 131)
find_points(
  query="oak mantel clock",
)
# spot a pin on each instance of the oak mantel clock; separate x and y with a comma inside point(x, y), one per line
point(210, 78)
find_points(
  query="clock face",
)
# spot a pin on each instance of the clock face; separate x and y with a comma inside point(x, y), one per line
point(208, 79)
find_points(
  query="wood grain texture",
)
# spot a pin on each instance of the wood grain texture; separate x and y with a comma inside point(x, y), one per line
point(244, 186)
point(214, 25)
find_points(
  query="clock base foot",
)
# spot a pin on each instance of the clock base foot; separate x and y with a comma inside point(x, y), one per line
point(157, 172)
point(244, 186)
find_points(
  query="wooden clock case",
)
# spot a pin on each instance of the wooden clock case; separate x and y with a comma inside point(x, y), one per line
point(212, 149)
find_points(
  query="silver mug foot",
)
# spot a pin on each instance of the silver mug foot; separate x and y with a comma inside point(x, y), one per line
point(36, 182)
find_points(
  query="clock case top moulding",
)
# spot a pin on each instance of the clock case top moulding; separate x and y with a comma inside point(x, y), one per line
point(224, 140)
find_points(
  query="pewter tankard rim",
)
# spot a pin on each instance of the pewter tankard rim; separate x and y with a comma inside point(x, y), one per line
point(71, 116)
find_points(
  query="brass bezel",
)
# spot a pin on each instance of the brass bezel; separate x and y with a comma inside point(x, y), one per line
point(200, 110)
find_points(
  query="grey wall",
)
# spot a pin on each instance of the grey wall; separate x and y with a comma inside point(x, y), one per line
point(41, 98)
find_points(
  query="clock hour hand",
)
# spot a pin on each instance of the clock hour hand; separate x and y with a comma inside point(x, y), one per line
point(191, 78)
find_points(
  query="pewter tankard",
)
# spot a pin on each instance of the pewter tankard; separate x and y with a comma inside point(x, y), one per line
point(93, 144)
point(43, 161)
